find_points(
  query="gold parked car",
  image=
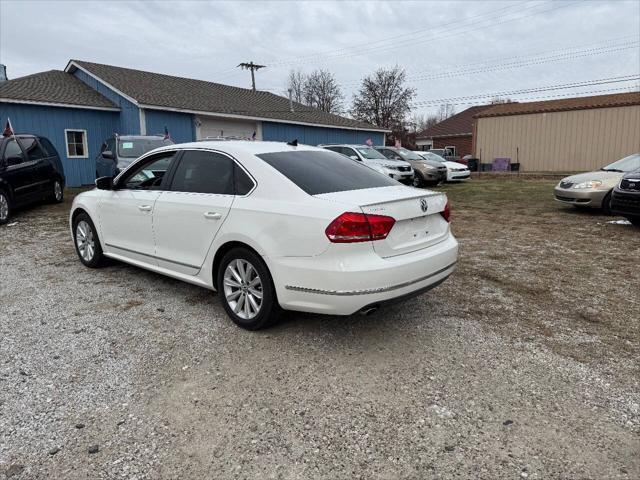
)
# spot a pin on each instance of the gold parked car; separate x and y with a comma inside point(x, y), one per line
point(593, 189)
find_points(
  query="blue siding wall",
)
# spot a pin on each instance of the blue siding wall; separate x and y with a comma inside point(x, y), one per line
point(129, 123)
point(316, 135)
point(51, 122)
point(180, 125)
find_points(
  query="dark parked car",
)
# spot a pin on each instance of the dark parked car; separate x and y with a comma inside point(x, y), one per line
point(625, 198)
point(119, 151)
point(30, 171)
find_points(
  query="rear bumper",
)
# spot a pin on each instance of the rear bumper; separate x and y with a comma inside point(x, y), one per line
point(335, 285)
point(623, 203)
point(586, 197)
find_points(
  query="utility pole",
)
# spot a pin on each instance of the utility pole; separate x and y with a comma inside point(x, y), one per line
point(253, 67)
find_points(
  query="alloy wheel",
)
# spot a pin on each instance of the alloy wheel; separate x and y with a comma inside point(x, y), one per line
point(4, 207)
point(57, 191)
point(84, 241)
point(243, 289)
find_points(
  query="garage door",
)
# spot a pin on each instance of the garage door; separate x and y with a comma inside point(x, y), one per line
point(217, 127)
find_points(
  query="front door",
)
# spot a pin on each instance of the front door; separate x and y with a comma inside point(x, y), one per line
point(188, 216)
point(126, 213)
point(20, 173)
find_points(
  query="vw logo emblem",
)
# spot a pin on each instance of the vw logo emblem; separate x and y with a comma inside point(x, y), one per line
point(424, 205)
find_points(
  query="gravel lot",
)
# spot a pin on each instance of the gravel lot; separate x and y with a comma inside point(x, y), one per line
point(524, 364)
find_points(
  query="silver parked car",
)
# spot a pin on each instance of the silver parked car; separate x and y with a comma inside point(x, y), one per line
point(593, 189)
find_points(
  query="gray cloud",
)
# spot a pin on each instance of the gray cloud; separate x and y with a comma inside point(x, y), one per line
point(207, 40)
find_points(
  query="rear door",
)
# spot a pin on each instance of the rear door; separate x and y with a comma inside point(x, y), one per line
point(43, 169)
point(189, 215)
point(419, 223)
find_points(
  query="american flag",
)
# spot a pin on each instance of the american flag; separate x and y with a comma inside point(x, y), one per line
point(253, 137)
point(369, 142)
point(398, 144)
point(167, 135)
point(8, 129)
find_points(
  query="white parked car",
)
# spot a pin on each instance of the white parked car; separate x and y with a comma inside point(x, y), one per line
point(397, 169)
point(455, 171)
point(269, 226)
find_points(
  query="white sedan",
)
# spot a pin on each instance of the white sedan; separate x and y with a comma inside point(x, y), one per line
point(455, 171)
point(270, 226)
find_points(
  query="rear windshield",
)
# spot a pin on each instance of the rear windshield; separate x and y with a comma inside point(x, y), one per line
point(135, 147)
point(325, 172)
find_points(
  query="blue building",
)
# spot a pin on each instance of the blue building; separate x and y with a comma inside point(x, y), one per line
point(78, 108)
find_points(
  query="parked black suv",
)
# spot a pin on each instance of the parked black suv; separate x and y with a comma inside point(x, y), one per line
point(625, 198)
point(30, 171)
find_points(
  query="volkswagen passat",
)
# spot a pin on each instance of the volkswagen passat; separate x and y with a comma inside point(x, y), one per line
point(269, 226)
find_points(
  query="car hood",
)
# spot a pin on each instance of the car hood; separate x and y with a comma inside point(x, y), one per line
point(608, 178)
point(450, 164)
point(388, 161)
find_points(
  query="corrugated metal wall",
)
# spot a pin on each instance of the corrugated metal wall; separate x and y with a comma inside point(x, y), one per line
point(129, 123)
point(180, 125)
point(315, 135)
point(51, 122)
point(579, 140)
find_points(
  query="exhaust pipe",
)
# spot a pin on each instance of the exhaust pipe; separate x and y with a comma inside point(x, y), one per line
point(366, 311)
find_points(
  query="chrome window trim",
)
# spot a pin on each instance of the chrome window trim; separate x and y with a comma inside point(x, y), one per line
point(368, 291)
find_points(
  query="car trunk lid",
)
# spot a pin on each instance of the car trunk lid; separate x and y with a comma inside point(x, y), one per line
point(419, 223)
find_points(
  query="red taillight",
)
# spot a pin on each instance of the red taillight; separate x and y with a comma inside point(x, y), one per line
point(357, 227)
point(446, 213)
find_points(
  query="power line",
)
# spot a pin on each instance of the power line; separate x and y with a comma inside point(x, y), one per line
point(587, 83)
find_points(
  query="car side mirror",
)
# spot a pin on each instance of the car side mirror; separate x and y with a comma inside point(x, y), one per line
point(104, 183)
point(108, 154)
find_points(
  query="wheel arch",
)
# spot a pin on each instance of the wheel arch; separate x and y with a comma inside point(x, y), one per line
point(222, 251)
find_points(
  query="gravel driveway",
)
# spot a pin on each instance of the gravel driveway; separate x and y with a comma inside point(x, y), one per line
point(524, 364)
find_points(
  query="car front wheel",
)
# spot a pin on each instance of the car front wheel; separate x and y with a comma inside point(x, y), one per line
point(57, 193)
point(86, 241)
point(5, 208)
point(246, 289)
point(417, 181)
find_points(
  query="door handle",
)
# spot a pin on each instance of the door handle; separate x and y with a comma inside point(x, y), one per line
point(144, 208)
point(212, 215)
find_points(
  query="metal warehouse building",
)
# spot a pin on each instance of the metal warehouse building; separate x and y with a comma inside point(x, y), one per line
point(572, 134)
point(78, 108)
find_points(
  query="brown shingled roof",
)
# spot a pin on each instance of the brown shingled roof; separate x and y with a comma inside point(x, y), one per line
point(53, 87)
point(459, 124)
point(168, 91)
point(564, 104)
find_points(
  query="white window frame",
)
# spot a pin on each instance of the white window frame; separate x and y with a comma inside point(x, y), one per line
point(84, 143)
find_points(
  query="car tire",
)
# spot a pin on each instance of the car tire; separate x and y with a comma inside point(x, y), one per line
point(418, 182)
point(5, 207)
point(239, 298)
point(606, 204)
point(57, 192)
point(87, 242)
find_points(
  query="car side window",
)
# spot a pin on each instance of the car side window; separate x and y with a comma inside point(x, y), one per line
point(148, 175)
point(349, 152)
point(242, 182)
point(31, 146)
point(13, 154)
point(204, 172)
point(48, 146)
point(110, 146)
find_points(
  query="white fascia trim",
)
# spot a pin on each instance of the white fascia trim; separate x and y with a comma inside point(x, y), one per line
point(51, 104)
point(95, 77)
point(143, 122)
point(261, 119)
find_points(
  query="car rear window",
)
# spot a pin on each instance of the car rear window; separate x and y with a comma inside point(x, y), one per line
point(318, 172)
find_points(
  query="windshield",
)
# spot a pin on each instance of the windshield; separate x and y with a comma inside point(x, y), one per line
point(371, 153)
point(433, 156)
point(408, 154)
point(135, 147)
point(626, 164)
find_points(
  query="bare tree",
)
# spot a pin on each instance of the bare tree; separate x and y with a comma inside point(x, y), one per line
point(296, 83)
point(321, 90)
point(383, 100)
point(445, 111)
point(419, 122)
point(499, 100)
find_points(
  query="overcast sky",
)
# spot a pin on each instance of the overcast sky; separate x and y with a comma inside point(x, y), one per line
point(448, 49)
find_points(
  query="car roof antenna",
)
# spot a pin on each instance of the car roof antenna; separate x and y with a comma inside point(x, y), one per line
point(293, 143)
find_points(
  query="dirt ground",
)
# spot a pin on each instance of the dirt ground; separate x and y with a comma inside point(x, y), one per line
point(524, 364)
